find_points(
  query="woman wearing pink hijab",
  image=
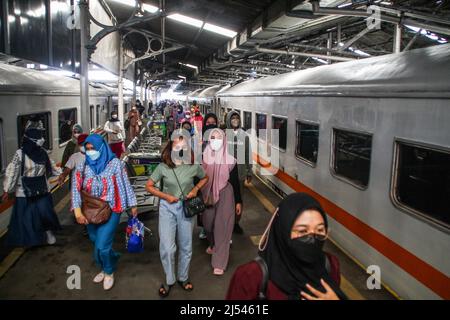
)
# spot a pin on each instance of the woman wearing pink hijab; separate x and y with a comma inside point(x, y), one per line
point(222, 196)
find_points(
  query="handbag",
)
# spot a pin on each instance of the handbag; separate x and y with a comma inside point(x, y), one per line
point(96, 210)
point(192, 206)
point(33, 187)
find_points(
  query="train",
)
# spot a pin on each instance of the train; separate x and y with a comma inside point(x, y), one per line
point(53, 99)
point(370, 139)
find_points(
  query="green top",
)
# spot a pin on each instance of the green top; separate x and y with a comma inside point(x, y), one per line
point(185, 174)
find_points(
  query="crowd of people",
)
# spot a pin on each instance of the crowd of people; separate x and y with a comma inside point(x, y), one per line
point(291, 256)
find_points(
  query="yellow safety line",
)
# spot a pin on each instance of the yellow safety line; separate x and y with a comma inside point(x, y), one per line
point(346, 286)
point(9, 261)
point(16, 253)
point(356, 261)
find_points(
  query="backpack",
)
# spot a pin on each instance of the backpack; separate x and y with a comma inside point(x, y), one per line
point(331, 265)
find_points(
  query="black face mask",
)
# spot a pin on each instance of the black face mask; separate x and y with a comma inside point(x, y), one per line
point(309, 251)
point(210, 126)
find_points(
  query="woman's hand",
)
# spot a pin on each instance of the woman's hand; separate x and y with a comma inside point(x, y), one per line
point(238, 208)
point(81, 219)
point(193, 193)
point(171, 199)
point(61, 179)
point(328, 295)
point(134, 212)
point(5, 196)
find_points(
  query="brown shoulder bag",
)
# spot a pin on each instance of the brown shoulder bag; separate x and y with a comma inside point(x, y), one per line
point(96, 210)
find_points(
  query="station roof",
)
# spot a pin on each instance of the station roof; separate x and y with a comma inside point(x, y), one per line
point(280, 27)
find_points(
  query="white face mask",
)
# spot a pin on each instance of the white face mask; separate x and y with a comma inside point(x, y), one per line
point(76, 135)
point(216, 144)
point(40, 142)
point(82, 149)
point(114, 116)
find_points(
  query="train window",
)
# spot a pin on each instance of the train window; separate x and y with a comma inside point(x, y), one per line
point(247, 120)
point(44, 117)
point(261, 123)
point(91, 114)
point(280, 124)
point(422, 181)
point(66, 119)
point(307, 144)
point(97, 116)
point(351, 157)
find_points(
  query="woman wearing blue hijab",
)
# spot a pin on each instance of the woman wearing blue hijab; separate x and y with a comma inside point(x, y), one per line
point(103, 176)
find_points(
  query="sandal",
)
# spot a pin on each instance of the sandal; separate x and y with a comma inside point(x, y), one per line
point(186, 285)
point(164, 290)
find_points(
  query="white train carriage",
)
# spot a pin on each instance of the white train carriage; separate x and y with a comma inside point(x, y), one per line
point(53, 99)
point(371, 140)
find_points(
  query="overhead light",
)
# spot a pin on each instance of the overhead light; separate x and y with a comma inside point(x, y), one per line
point(344, 5)
point(185, 19)
point(360, 52)
point(43, 66)
point(320, 60)
point(11, 18)
point(131, 3)
point(223, 31)
point(150, 8)
point(428, 34)
point(189, 65)
point(23, 20)
point(30, 65)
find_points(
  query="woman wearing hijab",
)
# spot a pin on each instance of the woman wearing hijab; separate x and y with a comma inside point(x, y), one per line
point(116, 134)
point(72, 145)
point(292, 250)
point(103, 176)
point(222, 196)
point(135, 121)
point(33, 219)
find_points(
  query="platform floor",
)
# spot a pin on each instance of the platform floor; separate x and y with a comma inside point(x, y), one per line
point(40, 273)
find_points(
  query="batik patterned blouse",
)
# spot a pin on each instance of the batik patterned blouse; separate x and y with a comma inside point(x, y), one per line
point(112, 186)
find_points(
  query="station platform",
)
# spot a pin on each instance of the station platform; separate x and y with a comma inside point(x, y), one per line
point(41, 273)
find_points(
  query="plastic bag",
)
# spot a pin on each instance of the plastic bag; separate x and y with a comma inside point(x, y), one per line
point(134, 235)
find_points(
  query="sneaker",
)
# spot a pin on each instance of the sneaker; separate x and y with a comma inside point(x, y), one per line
point(108, 282)
point(50, 237)
point(202, 234)
point(99, 277)
point(218, 272)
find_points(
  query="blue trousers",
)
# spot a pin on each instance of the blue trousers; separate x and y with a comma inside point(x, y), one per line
point(102, 235)
point(173, 224)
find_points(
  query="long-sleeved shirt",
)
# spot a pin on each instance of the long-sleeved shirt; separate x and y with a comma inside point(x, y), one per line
point(110, 127)
point(112, 186)
point(12, 181)
point(239, 146)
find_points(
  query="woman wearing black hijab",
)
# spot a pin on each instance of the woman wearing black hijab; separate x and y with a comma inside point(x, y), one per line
point(33, 219)
point(292, 250)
